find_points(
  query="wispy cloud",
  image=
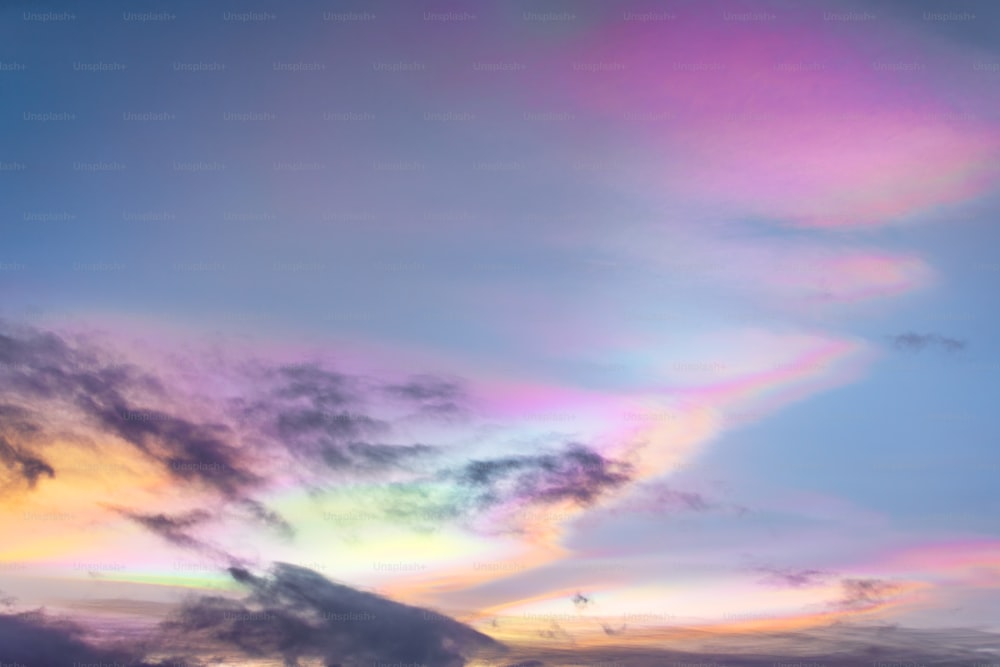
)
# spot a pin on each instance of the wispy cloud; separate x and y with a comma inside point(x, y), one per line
point(859, 593)
point(791, 577)
point(915, 342)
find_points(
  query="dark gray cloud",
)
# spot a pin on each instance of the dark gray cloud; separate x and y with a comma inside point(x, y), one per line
point(669, 499)
point(25, 465)
point(268, 517)
point(789, 577)
point(58, 375)
point(296, 614)
point(21, 433)
point(383, 456)
point(657, 498)
point(290, 614)
point(576, 473)
point(33, 639)
point(173, 529)
point(312, 382)
point(319, 417)
point(860, 593)
point(430, 393)
point(305, 425)
point(19, 422)
point(611, 631)
point(917, 342)
point(43, 368)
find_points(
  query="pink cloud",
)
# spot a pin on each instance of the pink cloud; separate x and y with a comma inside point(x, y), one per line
point(802, 125)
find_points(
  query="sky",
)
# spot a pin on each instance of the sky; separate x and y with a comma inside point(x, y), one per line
point(517, 333)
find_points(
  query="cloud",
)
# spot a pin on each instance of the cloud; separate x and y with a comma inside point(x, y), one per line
point(741, 133)
point(173, 529)
point(44, 368)
point(790, 577)
point(497, 495)
point(320, 417)
point(658, 498)
point(840, 645)
point(295, 613)
point(286, 417)
point(917, 342)
point(502, 489)
point(384, 456)
point(262, 514)
point(291, 614)
point(315, 384)
point(862, 593)
point(577, 473)
point(29, 467)
point(665, 498)
point(20, 431)
point(430, 393)
point(279, 421)
point(18, 420)
point(34, 639)
point(177, 529)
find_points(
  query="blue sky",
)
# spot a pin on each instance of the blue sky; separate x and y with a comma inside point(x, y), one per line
point(590, 311)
